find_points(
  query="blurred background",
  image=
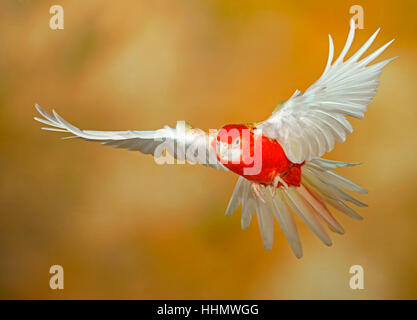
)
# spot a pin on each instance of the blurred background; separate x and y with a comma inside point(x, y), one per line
point(124, 227)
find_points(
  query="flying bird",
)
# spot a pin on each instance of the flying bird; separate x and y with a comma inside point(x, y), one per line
point(278, 161)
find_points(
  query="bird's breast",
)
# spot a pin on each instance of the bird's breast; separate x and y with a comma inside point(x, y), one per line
point(265, 160)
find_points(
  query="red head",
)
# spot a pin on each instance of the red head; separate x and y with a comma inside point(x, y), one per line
point(234, 146)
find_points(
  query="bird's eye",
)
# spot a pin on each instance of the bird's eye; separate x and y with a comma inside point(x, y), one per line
point(237, 142)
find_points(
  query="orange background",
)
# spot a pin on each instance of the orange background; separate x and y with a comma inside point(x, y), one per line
point(123, 226)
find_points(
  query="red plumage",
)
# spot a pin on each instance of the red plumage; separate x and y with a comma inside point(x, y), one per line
point(273, 159)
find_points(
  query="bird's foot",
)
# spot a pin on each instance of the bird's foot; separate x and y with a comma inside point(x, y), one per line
point(257, 191)
point(277, 180)
point(275, 183)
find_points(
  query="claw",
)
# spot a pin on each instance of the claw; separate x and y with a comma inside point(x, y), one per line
point(257, 191)
point(277, 180)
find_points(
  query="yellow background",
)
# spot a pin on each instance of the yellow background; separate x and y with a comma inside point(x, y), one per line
point(123, 226)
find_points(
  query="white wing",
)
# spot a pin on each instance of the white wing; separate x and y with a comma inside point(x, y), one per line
point(182, 142)
point(307, 124)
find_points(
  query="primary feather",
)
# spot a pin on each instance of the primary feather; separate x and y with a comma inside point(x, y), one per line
point(307, 124)
point(178, 142)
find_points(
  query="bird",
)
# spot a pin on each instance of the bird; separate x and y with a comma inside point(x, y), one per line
point(279, 162)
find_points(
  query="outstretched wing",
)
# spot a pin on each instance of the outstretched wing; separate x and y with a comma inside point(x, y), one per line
point(307, 124)
point(182, 142)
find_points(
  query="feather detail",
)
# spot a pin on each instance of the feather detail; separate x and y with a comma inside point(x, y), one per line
point(344, 89)
point(146, 142)
point(320, 186)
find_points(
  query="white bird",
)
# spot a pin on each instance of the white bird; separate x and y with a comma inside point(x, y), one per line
point(286, 174)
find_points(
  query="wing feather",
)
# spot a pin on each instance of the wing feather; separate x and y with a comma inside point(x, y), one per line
point(170, 139)
point(344, 89)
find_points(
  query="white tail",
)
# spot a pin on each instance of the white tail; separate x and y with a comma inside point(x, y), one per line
point(320, 186)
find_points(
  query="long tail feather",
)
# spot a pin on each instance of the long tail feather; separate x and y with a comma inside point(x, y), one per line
point(287, 222)
point(320, 209)
point(319, 187)
point(307, 215)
